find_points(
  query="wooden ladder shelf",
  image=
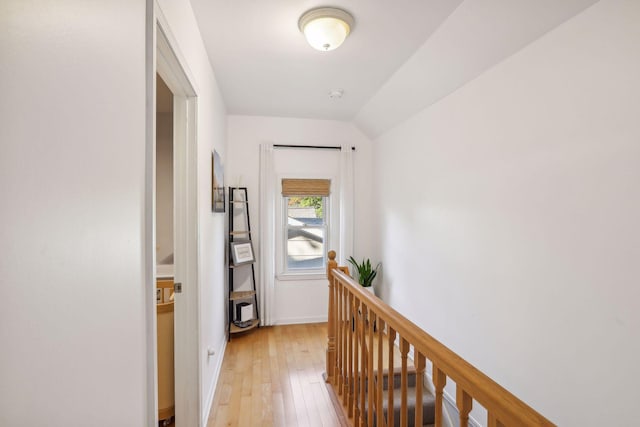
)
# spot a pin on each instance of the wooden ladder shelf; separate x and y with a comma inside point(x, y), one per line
point(240, 233)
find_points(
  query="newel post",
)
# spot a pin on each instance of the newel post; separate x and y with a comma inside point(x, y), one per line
point(331, 325)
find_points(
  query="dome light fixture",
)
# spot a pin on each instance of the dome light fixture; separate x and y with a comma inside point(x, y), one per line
point(325, 28)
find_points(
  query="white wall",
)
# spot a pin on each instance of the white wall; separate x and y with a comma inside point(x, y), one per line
point(72, 167)
point(512, 235)
point(211, 134)
point(72, 170)
point(299, 302)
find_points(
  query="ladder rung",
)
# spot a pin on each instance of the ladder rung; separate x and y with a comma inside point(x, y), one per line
point(241, 295)
point(240, 265)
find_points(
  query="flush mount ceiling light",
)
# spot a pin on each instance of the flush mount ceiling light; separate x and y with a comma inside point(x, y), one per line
point(325, 28)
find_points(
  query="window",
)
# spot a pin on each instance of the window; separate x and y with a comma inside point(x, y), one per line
point(306, 233)
point(305, 225)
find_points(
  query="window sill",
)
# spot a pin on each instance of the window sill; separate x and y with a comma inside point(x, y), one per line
point(301, 276)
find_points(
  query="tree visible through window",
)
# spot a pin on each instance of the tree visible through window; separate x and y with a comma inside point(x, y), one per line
point(306, 232)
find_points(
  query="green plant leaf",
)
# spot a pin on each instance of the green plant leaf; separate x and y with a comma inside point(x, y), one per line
point(365, 272)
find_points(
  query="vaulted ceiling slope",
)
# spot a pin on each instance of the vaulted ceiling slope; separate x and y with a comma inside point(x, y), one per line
point(401, 56)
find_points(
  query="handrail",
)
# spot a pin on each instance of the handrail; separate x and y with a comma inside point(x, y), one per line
point(504, 408)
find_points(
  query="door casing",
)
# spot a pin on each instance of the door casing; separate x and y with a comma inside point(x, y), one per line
point(165, 59)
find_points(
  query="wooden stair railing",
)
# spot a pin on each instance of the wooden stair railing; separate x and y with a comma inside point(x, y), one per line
point(362, 332)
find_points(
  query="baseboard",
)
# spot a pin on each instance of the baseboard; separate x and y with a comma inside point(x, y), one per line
point(214, 383)
point(300, 320)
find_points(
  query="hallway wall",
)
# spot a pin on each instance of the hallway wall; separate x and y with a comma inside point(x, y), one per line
point(72, 226)
point(513, 235)
point(300, 300)
point(72, 173)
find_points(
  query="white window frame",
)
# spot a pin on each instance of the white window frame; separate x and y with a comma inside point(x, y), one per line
point(295, 274)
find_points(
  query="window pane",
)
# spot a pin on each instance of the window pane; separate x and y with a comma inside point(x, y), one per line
point(305, 248)
point(307, 210)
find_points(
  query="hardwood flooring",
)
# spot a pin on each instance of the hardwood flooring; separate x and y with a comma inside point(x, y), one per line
point(273, 377)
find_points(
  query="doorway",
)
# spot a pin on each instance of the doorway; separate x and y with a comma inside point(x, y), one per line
point(165, 278)
point(165, 68)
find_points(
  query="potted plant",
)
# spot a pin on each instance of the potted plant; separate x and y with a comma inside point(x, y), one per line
point(365, 272)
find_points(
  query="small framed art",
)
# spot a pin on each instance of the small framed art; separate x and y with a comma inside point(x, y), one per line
point(217, 183)
point(242, 253)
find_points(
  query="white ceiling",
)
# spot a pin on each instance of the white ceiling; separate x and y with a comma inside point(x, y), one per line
point(401, 56)
point(264, 66)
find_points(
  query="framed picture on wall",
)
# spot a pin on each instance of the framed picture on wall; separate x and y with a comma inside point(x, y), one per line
point(242, 253)
point(217, 183)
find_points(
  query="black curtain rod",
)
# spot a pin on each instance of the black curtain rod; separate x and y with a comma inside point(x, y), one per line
point(322, 147)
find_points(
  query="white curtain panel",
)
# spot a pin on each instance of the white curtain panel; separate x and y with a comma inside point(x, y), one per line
point(266, 279)
point(347, 195)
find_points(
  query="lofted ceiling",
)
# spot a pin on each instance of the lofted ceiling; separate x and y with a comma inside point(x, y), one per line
point(400, 57)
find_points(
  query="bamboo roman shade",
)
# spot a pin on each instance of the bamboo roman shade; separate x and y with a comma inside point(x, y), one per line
point(306, 187)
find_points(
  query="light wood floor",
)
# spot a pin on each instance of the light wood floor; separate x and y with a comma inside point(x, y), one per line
point(273, 377)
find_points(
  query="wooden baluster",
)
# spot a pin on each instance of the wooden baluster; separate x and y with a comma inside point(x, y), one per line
point(404, 385)
point(363, 357)
point(370, 377)
point(356, 359)
point(392, 377)
point(331, 331)
point(420, 364)
point(339, 330)
point(345, 332)
point(492, 421)
point(350, 351)
point(464, 403)
point(346, 326)
point(379, 385)
point(339, 373)
point(439, 381)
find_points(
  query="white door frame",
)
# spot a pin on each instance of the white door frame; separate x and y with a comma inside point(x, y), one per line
point(164, 58)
